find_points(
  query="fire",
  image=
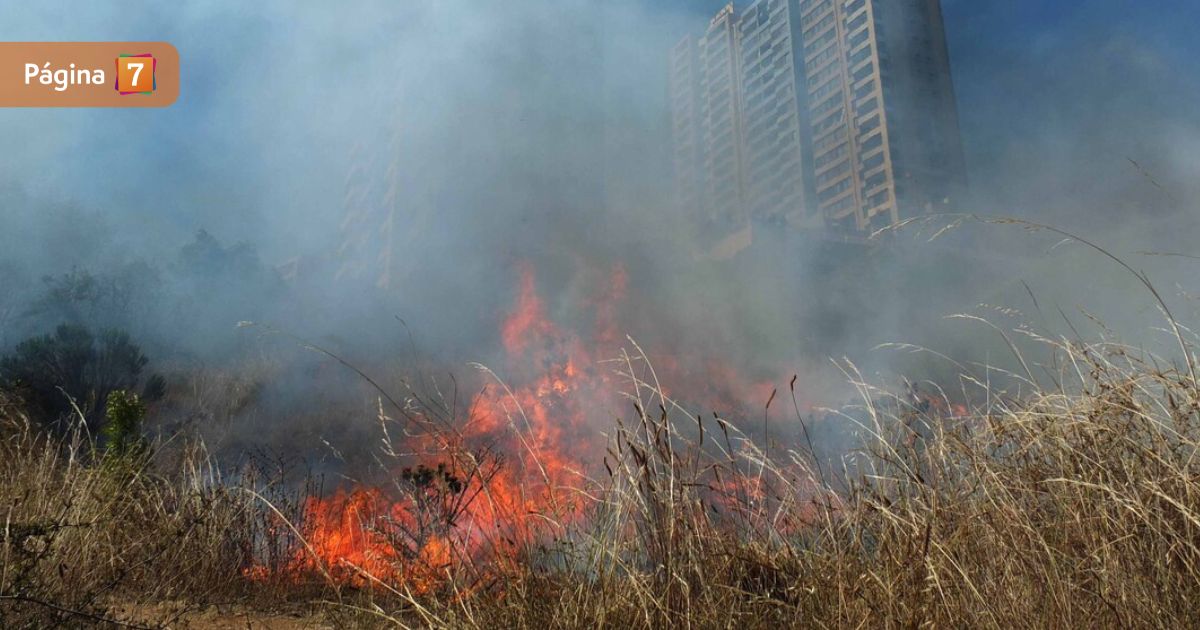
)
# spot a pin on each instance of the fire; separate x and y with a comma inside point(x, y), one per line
point(528, 320)
point(359, 537)
point(539, 427)
point(345, 536)
point(559, 378)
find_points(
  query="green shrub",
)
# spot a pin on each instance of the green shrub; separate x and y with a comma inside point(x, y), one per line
point(54, 374)
point(124, 413)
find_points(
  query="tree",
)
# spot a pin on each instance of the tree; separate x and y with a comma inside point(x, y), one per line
point(50, 372)
point(110, 299)
point(206, 259)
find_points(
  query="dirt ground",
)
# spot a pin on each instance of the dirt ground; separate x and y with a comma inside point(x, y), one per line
point(228, 617)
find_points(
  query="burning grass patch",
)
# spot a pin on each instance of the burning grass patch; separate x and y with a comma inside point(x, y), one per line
point(1071, 499)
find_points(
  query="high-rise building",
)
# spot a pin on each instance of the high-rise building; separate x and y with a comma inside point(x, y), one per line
point(775, 114)
point(831, 113)
point(720, 120)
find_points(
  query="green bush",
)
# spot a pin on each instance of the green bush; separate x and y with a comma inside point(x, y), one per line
point(54, 374)
point(124, 413)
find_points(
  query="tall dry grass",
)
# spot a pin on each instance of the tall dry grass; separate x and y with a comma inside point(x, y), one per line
point(1069, 496)
point(1077, 505)
point(91, 538)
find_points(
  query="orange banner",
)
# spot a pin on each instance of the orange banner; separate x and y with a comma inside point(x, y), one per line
point(88, 74)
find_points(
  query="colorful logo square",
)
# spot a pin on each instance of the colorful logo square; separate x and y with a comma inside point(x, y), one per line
point(135, 74)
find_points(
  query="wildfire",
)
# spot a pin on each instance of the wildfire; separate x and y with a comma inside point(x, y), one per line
point(356, 536)
point(537, 427)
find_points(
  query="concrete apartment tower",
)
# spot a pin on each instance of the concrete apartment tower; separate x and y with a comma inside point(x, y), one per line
point(833, 114)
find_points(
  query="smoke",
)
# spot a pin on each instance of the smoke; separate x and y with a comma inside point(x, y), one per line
point(536, 132)
point(499, 122)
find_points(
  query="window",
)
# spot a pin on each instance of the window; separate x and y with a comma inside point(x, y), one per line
point(869, 124)
point(875, 181)
point(828, 157)
point(833, 174)
point(872, 162)
point(872, 142)
point(835, 190)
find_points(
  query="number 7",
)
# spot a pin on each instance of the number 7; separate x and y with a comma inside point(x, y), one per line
point(137, 72)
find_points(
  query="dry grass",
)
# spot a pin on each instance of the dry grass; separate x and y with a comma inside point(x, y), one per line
point(85, 535)
point(1074, 504)
point(1078, 506)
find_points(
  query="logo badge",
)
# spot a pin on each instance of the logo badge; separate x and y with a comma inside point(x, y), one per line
point(135, 74)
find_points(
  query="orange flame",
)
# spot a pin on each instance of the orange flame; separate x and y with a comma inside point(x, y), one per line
point(543, 426)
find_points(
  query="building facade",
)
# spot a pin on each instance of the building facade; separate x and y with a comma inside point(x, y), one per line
point(833, 114)
point(720, 120)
